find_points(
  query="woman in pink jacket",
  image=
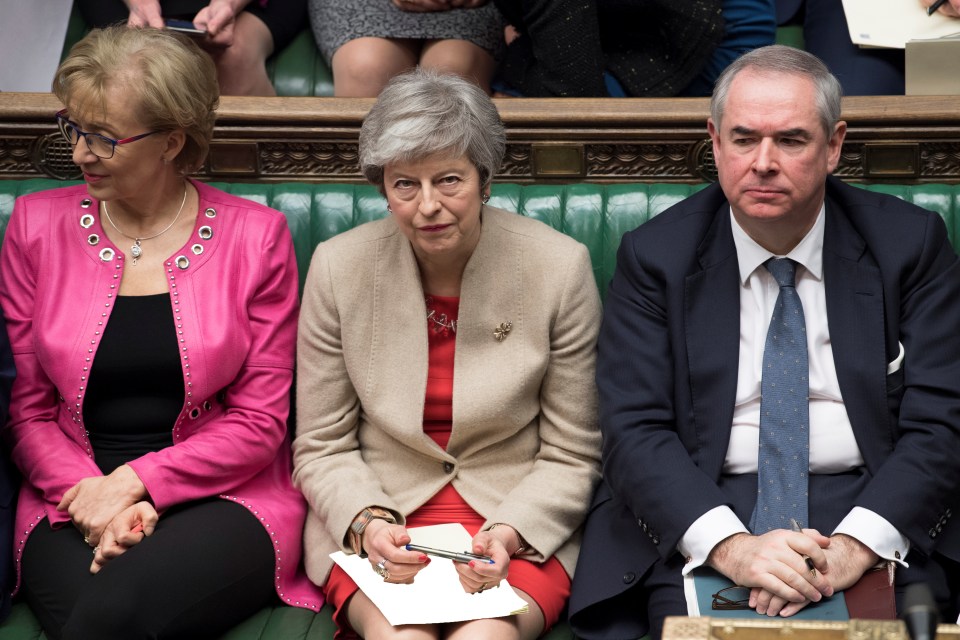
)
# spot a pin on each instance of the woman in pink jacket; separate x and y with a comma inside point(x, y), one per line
point(153, 321)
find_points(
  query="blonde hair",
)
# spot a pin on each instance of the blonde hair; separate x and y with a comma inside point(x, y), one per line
point(174, 81)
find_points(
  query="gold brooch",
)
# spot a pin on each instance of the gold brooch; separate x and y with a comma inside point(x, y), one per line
point(502, 330)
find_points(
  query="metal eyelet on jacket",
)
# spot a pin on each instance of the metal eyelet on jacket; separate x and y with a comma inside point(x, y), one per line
point(106, 254)
point(86, 202)
point(182, 262)
point(93, 239)
point(194, 413)
point(197, 249)
point(86, 221)
point(205, 232)
point(207, 406)
point(210, 212)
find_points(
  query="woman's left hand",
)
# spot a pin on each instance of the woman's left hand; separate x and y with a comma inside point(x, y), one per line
point(129, 528)
point(93, 502)
point(477, 576)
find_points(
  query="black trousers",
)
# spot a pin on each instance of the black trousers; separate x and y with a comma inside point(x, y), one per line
point(208, 565)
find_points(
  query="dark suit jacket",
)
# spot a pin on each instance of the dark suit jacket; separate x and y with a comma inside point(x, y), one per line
point(8, 479)
point(667, 377)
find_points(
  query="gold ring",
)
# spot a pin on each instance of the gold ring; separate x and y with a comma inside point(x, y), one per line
point(95, 549)
point(482, 587)
point(381, 569)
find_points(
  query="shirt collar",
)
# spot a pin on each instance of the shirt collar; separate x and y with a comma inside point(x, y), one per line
point(808, 252)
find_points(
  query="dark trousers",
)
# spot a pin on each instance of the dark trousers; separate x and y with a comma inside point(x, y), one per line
point(207, 566)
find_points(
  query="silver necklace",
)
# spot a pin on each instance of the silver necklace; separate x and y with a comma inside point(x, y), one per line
point(439, 322)
point(136, 250)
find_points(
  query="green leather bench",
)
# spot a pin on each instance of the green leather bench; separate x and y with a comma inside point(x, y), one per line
point(596, 215)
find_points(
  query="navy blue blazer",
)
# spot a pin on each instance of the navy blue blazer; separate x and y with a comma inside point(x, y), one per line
point(667, 378)
point(8, 478)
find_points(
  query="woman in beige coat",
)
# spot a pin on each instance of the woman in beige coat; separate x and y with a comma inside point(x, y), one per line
point(446, 372)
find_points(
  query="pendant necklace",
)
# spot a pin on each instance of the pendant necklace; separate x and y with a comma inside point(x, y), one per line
point(136, 249)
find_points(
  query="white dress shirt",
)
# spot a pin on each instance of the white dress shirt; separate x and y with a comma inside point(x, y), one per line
point(833, 448)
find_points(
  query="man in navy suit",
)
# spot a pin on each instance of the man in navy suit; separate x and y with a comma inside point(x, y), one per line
point(8, 478)
point(681, 361)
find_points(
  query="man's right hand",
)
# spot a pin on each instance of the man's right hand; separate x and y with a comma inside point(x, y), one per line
point(773, 565)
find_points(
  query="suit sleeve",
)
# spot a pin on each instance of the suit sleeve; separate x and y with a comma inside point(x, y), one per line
point(328, 466)
point(50, 461)
point(568, 459)
point(916, 487)
point(646, 465)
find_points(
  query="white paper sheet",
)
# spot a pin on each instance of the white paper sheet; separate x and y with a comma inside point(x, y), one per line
point(436, 595)
point(891, 23)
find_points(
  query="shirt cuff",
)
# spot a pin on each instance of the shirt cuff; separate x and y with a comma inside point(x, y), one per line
point(705, 533)
point(876, 533)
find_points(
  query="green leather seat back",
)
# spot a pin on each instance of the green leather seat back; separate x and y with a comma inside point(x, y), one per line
point(596, 215)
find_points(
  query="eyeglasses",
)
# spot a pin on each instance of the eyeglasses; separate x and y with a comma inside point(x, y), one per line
point(100, 146)
point(735, 598)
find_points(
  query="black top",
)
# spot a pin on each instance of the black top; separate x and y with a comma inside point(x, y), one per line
point(135, 389)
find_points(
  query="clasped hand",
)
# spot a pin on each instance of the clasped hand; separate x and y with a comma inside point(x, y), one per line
point(773, 565)
point(126, 530)
point(386, 542)
point(93, 502)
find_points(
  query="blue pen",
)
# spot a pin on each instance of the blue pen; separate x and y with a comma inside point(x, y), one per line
point(463, 557)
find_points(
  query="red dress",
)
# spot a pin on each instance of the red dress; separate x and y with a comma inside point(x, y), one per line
point(547, 583)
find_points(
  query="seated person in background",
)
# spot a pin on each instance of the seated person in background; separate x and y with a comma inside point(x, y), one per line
point(575, 48)
point(862, 71)
point(844, 416)
point(389, 434)
point(153, 325)
point(367, 42)
point(241, 34)
point(8, 478)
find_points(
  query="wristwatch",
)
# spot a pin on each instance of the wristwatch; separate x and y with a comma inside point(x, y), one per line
point(359, 525)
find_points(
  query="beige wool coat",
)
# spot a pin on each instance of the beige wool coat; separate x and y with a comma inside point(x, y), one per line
point(525, 444)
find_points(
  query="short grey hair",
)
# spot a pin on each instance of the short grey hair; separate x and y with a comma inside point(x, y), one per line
point(420, 113)
point(782, 59)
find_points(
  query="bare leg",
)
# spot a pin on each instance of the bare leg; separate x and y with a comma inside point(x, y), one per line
point(241, 67)
point(362, 67)
point(461, 57)
point(367, 620)
point(524, 626)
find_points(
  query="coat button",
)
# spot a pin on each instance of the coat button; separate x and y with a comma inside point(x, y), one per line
point(448, 467)
point(629, 577)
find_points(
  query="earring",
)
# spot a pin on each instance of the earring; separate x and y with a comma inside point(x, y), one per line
point(389, 210)
point(486, 198)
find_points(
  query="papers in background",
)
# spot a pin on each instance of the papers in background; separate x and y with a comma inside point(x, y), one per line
point(700, 584)
point(436, 595)
point(31, 38)
point(892, 23)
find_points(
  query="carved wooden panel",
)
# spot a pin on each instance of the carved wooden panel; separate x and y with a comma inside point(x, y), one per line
point(898, 139)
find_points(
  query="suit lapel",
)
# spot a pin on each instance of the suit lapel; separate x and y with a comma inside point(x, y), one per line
point(712, 312)
point(855, 315)
point(398, 373)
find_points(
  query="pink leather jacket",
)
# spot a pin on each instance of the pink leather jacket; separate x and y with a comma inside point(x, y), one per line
point(233, 292)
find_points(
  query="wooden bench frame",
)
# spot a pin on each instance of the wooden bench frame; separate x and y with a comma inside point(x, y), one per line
point(895, 139)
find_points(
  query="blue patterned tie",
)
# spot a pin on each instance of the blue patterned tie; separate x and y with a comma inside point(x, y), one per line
point(784, 411)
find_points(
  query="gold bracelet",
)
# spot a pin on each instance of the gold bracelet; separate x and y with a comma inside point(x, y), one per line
point(359, 525)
